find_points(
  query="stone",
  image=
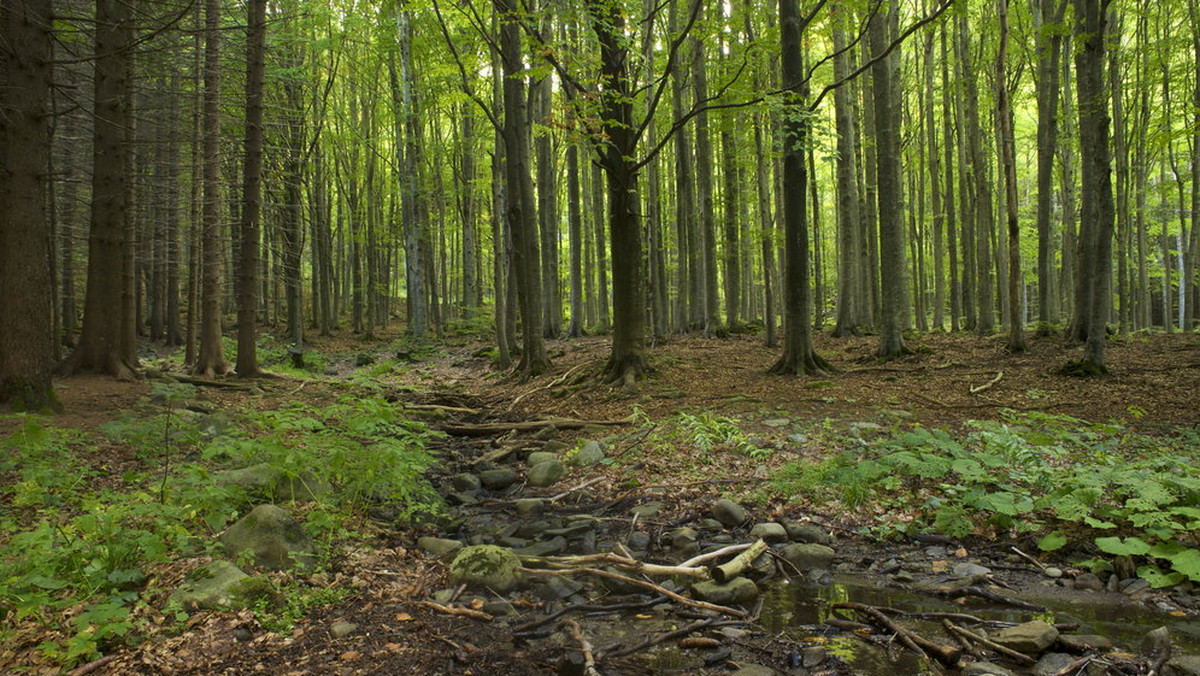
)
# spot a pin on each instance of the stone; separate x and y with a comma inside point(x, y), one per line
point(813, 656)
point(546, 473)
point(546, 433)
point(1052, 572)
point(728, 512)
point(738, 590)
point(806, 532)
point(1156, 641)
point(638, 541)
point(530, 507)
point(212, 586)
point(265, 482)
point(1030, 638)
point(589, 453)
point(1051, 663)
point(1088, 582)
point(538, 457)
point(798, 438)
point(777, 422)
point(1083, 643)
point(985, 669)
point(487, 566)
point(273, 538)
point(1135, 587)
point(544, 548)
point(555, 446)
point(441, 548)
point(647, 510)
point(465, 482)
point(342, 629)
point(807, 556)
point(1182, 665)
point(970, 570)
point(857, 428)
point(754, 670)
point(769, 531)
point(683, 538)
point(497, 479)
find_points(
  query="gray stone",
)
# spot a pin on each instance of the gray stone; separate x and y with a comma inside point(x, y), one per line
point(647, 510)
point(1135, 587)
point(709, 524)
point(738, 590)
point(487, 566)
point(555, 446)
point(806, 532)
point(683, 538)
point(265, 482)
point(441, 548)
point(1156, 641)
point(465, 482)
point(970, 570)
point(808, 556)
point(498, 479)
point(211, 586)
point(1088, 582)
point(813, 656)
point(754, 670)
point(1051, 663)
point(589, 453)
point(271, 536)
point(769, 531)
point(1082, 643)
point(777, 422)
point(857, 428)
point(1030, 638)
point(544, 548)
point(1053, 572)
point(1182, 665)
point(546, 473)
point(985, 669)
point(798, 438)
point(729, 513)
point(546, 433)
point(538, 457)
point(342, 629)
point(638, 541)
point(530, 507)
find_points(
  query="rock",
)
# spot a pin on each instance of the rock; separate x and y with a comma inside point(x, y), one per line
point(770, 532)
point(441, 548)
point(544, 548)
point(738, 590)
point(638, 541)
point(546, 433)
point(647, 510)
point(465, 482)
point(798, 438)
point(777, 422)
point(1182, 665)
point(1051, 663)
point(486, 566)
point(985, 669)
point(546, 473)
point(1156, 641)
point(342, 629)
point(806, 532)
point(813, 656)
point(265, 482)
point(729, 513)
point(1053, 572)
point(497, 479)
point(683, 538)
point(274, 538)
point(1135, 587)
point(528, 508)
point(1030, 638)
point(754, 670)
point(589, 453)
point(806, 556)
point(538, 457)
point(215, 585)
point(555, 446)
point(857, 428)
point(1082, 643)
point(970, 570)
point(1088, 582)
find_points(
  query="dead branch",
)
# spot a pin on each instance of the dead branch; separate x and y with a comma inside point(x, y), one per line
point(1081, 663)
point(548, 386)
point(990, 595)
point(735, 566)
point(990, 645)
point(488, 429)
point(464, 612)
point(622, 562)
point(658, 589)
point(661, 638)
point(993, 381)
point(93, 665)
point(712, 556)
point(573, 489)
point(947, 655)
point(586, 608)
point(208, 382)
point(446, 409)
point(585, 646)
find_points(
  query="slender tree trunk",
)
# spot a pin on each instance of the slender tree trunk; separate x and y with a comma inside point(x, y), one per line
point(418, 319)
point(689, 302)
point(1008, 152)
point(936, 201)
point(1191, 284)
point(948, 145)
point(1048, 16)
point(704, 193)
point(256, 34)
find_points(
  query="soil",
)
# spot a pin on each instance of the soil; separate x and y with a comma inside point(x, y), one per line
point(949, 380)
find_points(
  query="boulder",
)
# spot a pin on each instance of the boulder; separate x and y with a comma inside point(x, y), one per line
point(1182, 665)
point(738, 590)
point(486, 566)
point(1052, 664)
point(498, 479)
point(589, 453)
point(538, 457)
point(273, 538)
point(985, 669)
point(728, 512)
point(546, 473)
point(769, 532)
point(1082, 643)
point(1030, 638)
point(439, 547)
point(807, 556)
point(213, 586)
point(529, 508)
point(265, 482)
point(465, 482)
point(806, 532)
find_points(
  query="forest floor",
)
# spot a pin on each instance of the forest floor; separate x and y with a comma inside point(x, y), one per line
point(950, 380)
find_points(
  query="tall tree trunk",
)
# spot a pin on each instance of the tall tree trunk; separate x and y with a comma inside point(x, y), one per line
point(689, 311)
point(256, 35)
point(472, 288)
point(704, 193)
point(983, 215)
point(1191, 284)
point(1008, 152)
point(418, 318)
point(936, 200)
point(1048, 16)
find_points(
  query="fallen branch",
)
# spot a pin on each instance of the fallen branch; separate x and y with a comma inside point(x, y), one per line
point(93, 665)
point(573, 489)
point(712, 556)
point(464, 612)
point(551, 385)
point(1029, 558)
point(735, 566)
point(993, 381)
point(947, 655)
point(658, 589)
point(990, 595)
point(661, 638)
point(205, 382)
point(586, 608)
point(488, 429)
point(446, 409)
point(622, 562)
point(585, 646)
point(990, 645)
point(1082, 662)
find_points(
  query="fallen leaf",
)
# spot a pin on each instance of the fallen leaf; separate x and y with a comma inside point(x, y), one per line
point(940, 566)
point(350, 655)
point(476, 603)
point(404, 617)
point(960, 553)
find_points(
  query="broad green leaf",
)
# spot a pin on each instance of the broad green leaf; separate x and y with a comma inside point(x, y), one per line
point(1130, 546)
point(1053, 541)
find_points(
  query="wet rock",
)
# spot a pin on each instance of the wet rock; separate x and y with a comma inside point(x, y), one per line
point(970, 570)
point(1156, 641)
point(556, 588)
point(1135, 587)
point(1082, 643)
point(985, 669)
point(647, 510)
point(498, 479)
point(441, 548)
point(530, 507)
point(342, 629)
point(769, 531)
point(806, 532)
point(538, 457)
point(807, 556)
point(1051, 663)
point(589, 453)
point(729, 513)
point(813, 656)
point(1182, 665)
point(211, 586)
point(1030, 638)
point(465, 482)
point(738, 590)
point(462, 498)
point(754, 670)
point(546, 473)
point(638, 541)
point(486, 566)
point(274, 539)
point(1088, 582)
point(709, 524)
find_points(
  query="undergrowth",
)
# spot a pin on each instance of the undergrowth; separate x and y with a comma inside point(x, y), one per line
point(1066, 480)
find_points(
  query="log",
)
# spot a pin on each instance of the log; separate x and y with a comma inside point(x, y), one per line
point(489, 429)
point(658, 589)
point(735, 566)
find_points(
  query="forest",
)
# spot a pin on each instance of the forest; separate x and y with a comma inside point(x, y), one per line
point(801, 299)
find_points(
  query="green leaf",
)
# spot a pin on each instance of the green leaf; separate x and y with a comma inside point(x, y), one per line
point(1053, 541)
point(1131, 546)
point(1157, 578)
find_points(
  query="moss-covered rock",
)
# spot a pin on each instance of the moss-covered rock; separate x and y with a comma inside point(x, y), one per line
point(487, 566)
point(272, 537)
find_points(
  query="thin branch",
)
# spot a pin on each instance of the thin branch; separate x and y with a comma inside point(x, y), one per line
point(465, 85)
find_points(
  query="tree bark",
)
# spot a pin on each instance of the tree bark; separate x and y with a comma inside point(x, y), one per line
point(256, 34)
point(1008, 151)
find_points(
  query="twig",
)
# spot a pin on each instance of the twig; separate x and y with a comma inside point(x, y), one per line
point(989, 595)
point(947, 655)
point(658, 589)
point(465, 612)
point(1029, 558)
point(551, 385)
point(990, 645)
point(586, 608)
point(585, 646)
point(93, 665)
point(993, 381)
point(1080, 663)
point(661, 638)
point(573, 489)
point(734, 567)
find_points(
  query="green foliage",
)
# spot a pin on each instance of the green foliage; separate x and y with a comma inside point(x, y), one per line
point(1030, 472)
point(705, 433)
